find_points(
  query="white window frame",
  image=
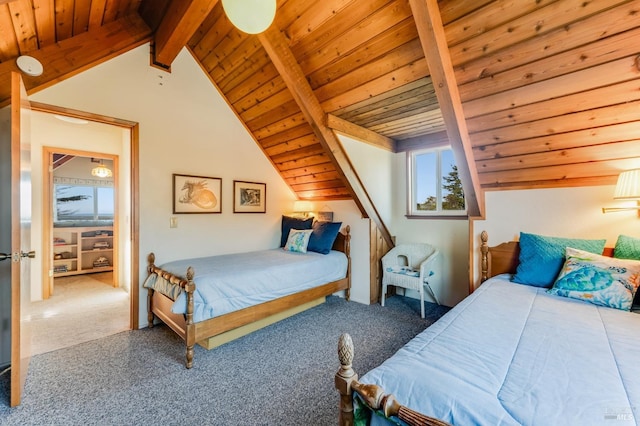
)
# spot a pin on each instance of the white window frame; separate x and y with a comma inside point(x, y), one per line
point(412, 211)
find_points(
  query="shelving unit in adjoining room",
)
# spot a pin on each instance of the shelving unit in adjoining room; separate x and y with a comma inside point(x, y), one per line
point(82, 250)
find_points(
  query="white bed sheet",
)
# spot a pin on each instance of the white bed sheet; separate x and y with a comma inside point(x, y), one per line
point(231, 282)
point(511, 354)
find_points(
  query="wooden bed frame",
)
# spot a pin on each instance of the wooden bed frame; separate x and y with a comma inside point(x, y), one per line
point(159, 305)
point(495, 260)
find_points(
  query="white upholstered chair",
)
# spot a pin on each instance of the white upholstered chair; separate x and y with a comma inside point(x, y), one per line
point(413, 266)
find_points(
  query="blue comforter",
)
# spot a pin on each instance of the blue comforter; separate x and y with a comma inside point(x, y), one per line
point(511, 354)
point(231, 282)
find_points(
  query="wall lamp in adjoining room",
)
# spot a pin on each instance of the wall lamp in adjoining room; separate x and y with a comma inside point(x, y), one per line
point(627, 188)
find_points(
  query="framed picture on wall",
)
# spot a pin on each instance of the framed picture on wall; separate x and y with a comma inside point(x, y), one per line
point(196, 194)
point(249, 197)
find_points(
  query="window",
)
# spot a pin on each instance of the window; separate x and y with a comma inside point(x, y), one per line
point(83, 202)
point(434, 186)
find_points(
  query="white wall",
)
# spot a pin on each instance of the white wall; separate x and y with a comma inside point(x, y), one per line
point(186, 127)
point(374, 167)
point(561, 212)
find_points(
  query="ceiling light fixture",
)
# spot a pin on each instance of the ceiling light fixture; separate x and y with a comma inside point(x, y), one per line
point(250, 16)
point(29, 65)
point(101, 171)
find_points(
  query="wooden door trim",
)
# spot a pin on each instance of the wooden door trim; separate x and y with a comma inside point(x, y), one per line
point(134, 152)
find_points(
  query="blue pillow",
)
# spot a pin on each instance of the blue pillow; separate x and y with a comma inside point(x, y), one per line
point(323, 236)
point(541, 257)
point(289, 223)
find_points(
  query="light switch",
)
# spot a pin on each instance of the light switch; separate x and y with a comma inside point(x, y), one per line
point(173, 222)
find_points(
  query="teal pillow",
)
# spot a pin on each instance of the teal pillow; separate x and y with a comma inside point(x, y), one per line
point(596, 279)
point(628, 248)
point(323, 236)
point(541, 258)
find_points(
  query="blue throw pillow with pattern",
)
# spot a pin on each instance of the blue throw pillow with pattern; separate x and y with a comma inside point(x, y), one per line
point(600, 280)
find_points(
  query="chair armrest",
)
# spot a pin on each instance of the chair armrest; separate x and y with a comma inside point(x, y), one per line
point(428, 265)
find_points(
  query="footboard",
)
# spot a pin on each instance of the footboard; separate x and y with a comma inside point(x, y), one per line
point(347, 384)
point(185, 330)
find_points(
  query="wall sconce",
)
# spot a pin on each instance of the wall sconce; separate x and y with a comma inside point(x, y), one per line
point(250, 16)
point(627, 188)
point(101, 170)
point(302, 208)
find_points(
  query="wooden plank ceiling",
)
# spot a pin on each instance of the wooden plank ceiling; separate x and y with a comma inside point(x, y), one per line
point(549, 89)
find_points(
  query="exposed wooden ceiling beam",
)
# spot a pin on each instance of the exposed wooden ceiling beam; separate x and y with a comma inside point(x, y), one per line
point(278, 50)
point(178, 25)
point(69, 57)
point(434, 43)
point(360, 133)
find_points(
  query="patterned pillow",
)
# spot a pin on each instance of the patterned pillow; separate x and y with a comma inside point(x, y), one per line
point(601, 280)
point(541, 257)
point(298, 240)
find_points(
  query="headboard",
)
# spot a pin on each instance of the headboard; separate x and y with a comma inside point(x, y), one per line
point(503, 258)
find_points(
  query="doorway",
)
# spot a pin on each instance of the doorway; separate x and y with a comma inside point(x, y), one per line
point(83, 298)
point(100, 256)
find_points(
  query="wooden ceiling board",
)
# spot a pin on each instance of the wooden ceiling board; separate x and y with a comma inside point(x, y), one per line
point(406, 54)
point(607, 74)
point(397, 78)
point(24, 25)
point(597, 53)
point(609, 115)
point(578, 155)
point(545, 144)
point(9, 48)
point(45, 22)
point(562, 39)
point(536, 79)
point(399, 94)
point(354, 13)
point(290, 145)
point(558, 173)
point(627, 91)
point(373, 49)
point(387, 17)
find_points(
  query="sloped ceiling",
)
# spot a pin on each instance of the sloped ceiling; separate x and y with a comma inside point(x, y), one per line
point(532, 94)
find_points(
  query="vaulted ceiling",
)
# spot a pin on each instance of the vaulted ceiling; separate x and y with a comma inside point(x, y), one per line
point(530, 93)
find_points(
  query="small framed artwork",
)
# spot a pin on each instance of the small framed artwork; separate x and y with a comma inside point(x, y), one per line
point(196, 194)
point(324, 216)
point(249, 197)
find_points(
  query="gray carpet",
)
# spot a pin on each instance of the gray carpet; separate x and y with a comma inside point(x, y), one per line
point(280, 375)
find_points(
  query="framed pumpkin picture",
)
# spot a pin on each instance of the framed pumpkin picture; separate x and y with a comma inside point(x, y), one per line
point(196, 194)
point(249, 197)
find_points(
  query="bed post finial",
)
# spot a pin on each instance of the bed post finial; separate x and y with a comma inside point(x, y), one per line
point(343, 379)
point(484, 250)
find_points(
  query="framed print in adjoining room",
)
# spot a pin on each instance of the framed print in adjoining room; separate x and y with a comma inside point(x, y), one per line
point(196, 194)
point(249, 197)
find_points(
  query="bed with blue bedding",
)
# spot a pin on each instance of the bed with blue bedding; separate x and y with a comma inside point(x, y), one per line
point(224, 293)
point(514, 354)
